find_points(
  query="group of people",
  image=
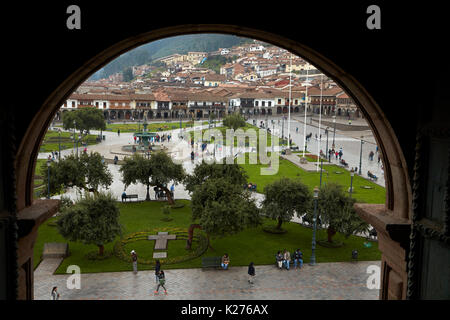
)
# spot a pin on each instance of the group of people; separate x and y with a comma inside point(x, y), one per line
point(159, 273)
point(283, 259)
point(335, 153)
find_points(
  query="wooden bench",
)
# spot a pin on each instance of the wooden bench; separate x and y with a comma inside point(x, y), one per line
point(130, 196)
point(211, 262)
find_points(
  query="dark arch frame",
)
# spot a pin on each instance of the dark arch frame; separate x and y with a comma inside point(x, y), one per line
point(398, 205)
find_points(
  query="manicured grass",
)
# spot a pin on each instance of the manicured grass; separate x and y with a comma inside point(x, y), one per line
point(152, 127)
point(223, 131)
point(51, 141)
point(331, 173)
point(250, 245)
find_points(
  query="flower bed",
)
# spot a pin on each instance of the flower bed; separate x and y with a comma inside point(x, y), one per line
point(199, 245)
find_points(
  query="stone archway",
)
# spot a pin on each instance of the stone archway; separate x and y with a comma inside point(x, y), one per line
point(398, 189)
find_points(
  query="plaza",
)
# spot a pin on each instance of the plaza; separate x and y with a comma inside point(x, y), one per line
point(325, 281)
point(337, 280)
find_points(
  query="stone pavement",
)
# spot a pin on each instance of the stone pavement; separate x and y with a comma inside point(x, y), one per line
point(325, 281)
point(349, 141)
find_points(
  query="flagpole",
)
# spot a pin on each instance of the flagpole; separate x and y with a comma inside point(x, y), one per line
point(320, 120)
point(306, 105)
point(290, 98)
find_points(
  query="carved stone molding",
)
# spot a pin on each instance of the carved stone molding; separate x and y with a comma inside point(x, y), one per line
point(421, 226)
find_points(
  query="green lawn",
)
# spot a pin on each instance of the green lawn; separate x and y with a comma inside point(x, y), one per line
point(248, 126)
point(51, 141)
point(250, 245)
point(331, 173)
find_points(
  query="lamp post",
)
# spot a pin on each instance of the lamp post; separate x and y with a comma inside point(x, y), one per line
point(48, 178)
point(334, 133)
point(321, 169)
point(78, 140)
point(59, 143)
point(74, 125)
point(328, 154)
point(312, 261)
point(351, 183)
point(360, 155)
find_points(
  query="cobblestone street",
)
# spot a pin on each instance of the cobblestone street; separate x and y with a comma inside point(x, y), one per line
point(329, 281)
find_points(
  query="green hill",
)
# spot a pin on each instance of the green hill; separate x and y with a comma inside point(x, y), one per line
point(164, 47)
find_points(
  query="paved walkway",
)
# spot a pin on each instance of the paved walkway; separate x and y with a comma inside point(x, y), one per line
point(331, 281)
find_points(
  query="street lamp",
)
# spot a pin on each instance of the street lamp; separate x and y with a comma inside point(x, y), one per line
point(360, 155)
point(74, 126)
point(321, 169)
point(352, 173)
point(59, 142)
point(48, 178)
point(328, 154)
point(334, 133)
point(312, 261)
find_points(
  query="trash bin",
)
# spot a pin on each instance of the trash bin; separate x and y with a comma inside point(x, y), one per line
point(355, 255)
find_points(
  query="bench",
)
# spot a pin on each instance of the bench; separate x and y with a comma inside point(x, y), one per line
point(211, 262)
point(130, 196)
point(294, 148)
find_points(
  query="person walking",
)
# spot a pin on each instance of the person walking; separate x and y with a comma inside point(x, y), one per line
point(251, 272)
point(157, 269)
point(134, 258)
point(162, 282)
point(55, 294)
point(172, 189)
point(118, 132)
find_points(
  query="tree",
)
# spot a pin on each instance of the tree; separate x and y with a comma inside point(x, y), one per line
point(204, 171)
point(234, 121)
point(337, 212)
point(87, 172)
point(92, 220)
point(222, 208)
point(136, 169)
point(127, 74)
point(157, 171)
point(84, 119)
point(285, 197)
point(164, 170)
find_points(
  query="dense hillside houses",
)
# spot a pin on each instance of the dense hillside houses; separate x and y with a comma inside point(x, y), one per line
point(257, 82)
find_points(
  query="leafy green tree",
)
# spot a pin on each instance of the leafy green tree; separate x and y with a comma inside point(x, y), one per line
point(337, 212)
point(127, 74)
point(92, 220)
point(285, 197)
point(157, 171)
point(204, 171)
point(222, 208)
point(164, 170)
point(136, 169)
point(87, 172)
point(84, 119)
point(234, 121)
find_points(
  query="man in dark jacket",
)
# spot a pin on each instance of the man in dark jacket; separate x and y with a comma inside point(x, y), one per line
point(251, 272)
